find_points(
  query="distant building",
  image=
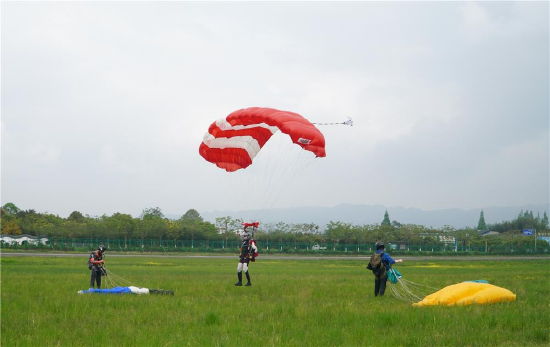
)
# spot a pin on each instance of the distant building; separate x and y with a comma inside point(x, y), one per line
point(24, 239)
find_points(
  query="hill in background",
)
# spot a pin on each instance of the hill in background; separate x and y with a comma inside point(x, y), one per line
point(374, 214)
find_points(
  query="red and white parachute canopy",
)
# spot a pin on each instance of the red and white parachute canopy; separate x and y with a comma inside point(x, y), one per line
point(233, 142)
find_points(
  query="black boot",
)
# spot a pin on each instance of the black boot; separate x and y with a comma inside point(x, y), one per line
point(248, 284)
point(240, 275)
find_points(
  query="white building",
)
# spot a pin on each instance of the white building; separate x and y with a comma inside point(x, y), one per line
point(21, 239)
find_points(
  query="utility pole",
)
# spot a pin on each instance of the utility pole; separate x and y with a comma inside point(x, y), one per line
point(535, 241)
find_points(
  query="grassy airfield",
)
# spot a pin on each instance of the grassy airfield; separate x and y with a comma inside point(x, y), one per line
point(291, 303)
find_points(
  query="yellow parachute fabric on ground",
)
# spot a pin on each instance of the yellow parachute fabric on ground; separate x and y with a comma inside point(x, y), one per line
point(468, 293)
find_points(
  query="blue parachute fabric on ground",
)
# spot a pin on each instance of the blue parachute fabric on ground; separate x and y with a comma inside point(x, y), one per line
point(478, 281)
point(394, 275)
point(115, 290)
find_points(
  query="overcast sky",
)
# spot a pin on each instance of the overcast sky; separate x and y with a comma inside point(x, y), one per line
point(104, 104)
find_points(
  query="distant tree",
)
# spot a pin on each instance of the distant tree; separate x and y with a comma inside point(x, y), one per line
point(10, 208)
point(481, 223)
point(151, 225)
point(192, 227)
point(524, 220)
point(207, 229)
point(448, 229)
point(74, 226)
point(152, 211)
point(396, 224)
point(174, 231)
point(122, 225)
point(386, 221)
point(544, 221)
point(46, 224)
point(23, 214)
point(11, 228)
point(304, 228)
point(228, 225)
point(222, 224)
point(76, 216)
point(339, 232)
point(192, 216)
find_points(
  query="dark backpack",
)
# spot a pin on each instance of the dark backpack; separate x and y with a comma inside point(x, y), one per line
point(375, 264)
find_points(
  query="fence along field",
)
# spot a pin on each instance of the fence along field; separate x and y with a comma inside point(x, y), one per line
point(274, 247)
point(291, 303)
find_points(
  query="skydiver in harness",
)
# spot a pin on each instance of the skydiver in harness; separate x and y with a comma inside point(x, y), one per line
point(249, 251)
point(97, 265)
point(380, 263)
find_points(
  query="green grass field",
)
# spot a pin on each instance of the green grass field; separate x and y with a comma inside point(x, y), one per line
point(291, 303)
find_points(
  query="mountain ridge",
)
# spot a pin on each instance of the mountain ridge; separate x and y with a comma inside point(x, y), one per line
point(360, 214)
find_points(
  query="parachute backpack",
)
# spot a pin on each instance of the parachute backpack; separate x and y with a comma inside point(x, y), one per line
point(375, 264)
point(90, 266)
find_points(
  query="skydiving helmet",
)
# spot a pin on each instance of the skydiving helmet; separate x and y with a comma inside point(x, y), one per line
point(101, 249)
point(379, 245)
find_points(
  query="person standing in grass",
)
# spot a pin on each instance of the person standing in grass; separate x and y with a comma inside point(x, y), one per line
point(248, 253)
point(380, 262)
point(95, 263)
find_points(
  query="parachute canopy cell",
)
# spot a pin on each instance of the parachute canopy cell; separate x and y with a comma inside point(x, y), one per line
point(468, 293)
point(231, 143)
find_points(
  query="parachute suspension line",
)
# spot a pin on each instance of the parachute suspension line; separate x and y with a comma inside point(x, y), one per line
point(409, 291)
point(404, 293)
point(117, 281)
point(124, 282)
point(272, 173)
point(110, 283)
point(280, 183)
point(291, 163)
point(348, 121)
point(280, 170)
point(417, 285)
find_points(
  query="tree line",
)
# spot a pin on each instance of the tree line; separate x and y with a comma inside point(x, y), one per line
point(152, 224)
point(524, 220)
